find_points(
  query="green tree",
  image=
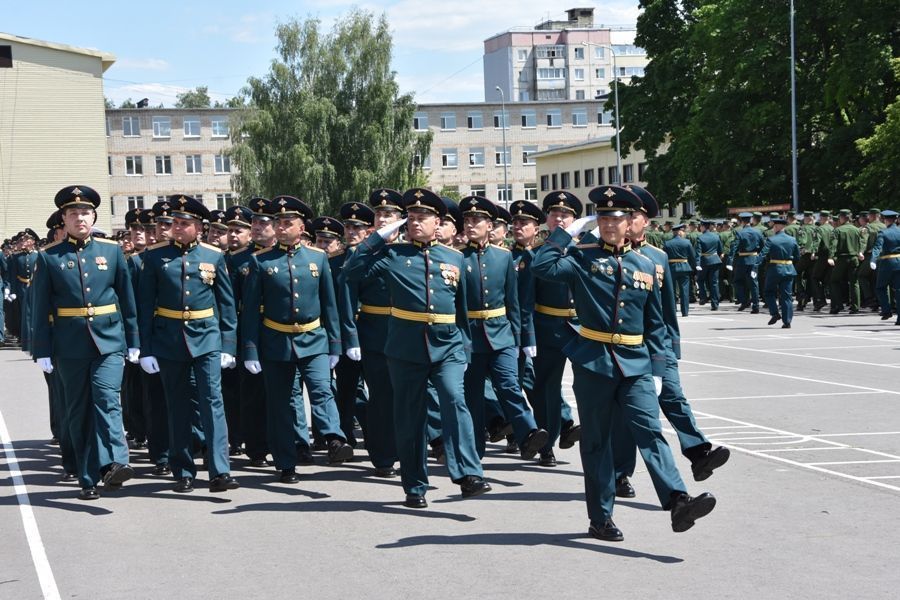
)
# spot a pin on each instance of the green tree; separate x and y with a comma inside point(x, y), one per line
point(108, 103)
point(328, 123)
point(128, 103)
point(878, 181)
point(196, 98)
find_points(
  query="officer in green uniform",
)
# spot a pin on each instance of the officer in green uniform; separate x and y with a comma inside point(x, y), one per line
point(132, 388)
point(867, 275)
point(21, 270)
point(82, 284)
point(781, 252)
point(428, 340)
point(492, 300)
point(845, 251)
point(886, 262)
point(821, 273)
point(708, 254)
point(682, 263)
point(808, 241)
point(188, 326)
point(726, 278)
point(748, 241)
point(618, 357)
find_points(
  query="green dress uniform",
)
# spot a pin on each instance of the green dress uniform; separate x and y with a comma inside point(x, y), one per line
point(748, 241)
point(682, 263)
point(4, 290)
point(22, 266)
point(708, 256)
point(781, 252)
point(808, 241)
point(845, 247)
point(886, 256)
point(867, 275)
point(427, 340)
point(821, 273)
point(726, 277)
point(620, 347)
point(84, 318)
point(187, 320)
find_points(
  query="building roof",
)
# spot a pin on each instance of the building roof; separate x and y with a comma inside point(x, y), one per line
point(106, 59)
point(596, 142)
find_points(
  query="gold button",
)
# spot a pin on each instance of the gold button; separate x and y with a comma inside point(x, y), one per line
point(89, 304)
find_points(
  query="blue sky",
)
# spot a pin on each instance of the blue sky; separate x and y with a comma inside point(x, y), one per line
point(163, 48)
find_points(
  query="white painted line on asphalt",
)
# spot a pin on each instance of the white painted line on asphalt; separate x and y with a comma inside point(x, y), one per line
point(797, 395)
point(885, 477)
point(853, 462)
point(825, 435)
point(724, 427)
point(810, 448)
point(841, 347)
point(779, 353)
point(683, 373)
point(35, 544)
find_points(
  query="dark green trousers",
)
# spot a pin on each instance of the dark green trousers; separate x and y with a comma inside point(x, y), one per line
point(381, 442)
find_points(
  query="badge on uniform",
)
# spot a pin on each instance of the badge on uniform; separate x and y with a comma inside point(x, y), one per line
point(643, 281)
point(450, 273)
point(245, 270)
point(101, 263)
point(207, 273)
point(314, 269)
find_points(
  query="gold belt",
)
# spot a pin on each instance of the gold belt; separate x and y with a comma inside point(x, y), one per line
point(291, 327)
point(781, 262)
point(887, 256)
point(488, 314)
point(369, 309)
point(422, 317)
point(746, 253)
point(678, 260)
point(90, 311)
point(623, 339)
point(23, 279)
point(710, 254)
point(185, 315)
point(567, 313)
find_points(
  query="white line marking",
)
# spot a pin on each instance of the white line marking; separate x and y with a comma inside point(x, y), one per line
point(35, 544)
point(683, 373)
point(778, 353)
point(826, 435)
point(885, 477)
point(810, 448)
point(853, 462)
point(725, 427)
point(797, 395)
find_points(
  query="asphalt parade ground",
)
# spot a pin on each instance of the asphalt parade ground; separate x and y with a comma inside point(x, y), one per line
point(807, 505)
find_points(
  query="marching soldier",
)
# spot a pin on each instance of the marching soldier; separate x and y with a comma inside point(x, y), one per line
point(886, 261)
point(748, 241)
point(726, 276)
point(845, 250)
point(682, 263)
point(708, 258)
point(808, 241)
point(82, 284)
point(867, 275)
point(428, 340)
point(187, 321)
point(290, 287)
point(781, 252)
point(821, 273)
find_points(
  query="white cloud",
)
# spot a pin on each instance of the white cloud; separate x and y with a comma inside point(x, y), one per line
point(464, 87)
point(146, 64)
point(249, 28)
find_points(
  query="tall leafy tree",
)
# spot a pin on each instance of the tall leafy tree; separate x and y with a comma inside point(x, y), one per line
point(196, 98)
point(328, 123)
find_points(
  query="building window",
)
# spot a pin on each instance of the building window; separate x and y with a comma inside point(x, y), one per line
point(545, 183)
point(579, 117)
point(478, 190)
point(134, 165)
point(531, 192)
point(579, 94)
point(522, 54)
point(588, 177)
point(224, 201)
point(628, 173)
point(554, 119)
point(577, 178)
point(501, 156)
point(604, 117)
point(579, 74)
point(600, 73)
point(628, 50)
point(642, 171)
point(551, 73)
point(131, 126)
point(474, 120)
point(476, 157)
point(6, 57)
point(191, 127)
point(579, 52)
point(504, 193)
point(599, 175)
point(613, 176)
point(420, 121)
point(554, 181)
point(529, 119)
point(192, 164)
point(559, 94)
point(564, 180)
point(164, 165)
point(109, 164)
point(223, 163)
point(549, 51)
point(528, 154)
point(135, 202)
point(449, 158)
point(418, 162)
point(524, 96)
point(631, 71)
point(220, 127)
point(107, 127)
point(448, 121)
point(599, 52)
point(162, 127)
point(501, 119)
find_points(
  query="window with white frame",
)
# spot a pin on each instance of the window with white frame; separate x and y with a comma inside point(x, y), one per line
point(504, 193)
point(223, 163)
point(551, 73)
point(160, 198)
point(627, 173)
point(134, 165)
point(613, 177)
point(107, 127)
point(424, 164)
point(192, 127)
point(478, 190)
point(448, 121)
point(545, 183)
point(475, 120)
point(579, 74)
point(579, 117)
point(579, 52)
point(531, 191)
point(476, 157)
point(604, 117)
point(224, 201)
point(576, 176)
point(131, 126)
point(162, 127)
point(501, 156)
point(599, 52)
point(192, 164)
point(420, 121)
point(501, 119)
point(628, 50)
point(135, 202)
point(600, 73)
point(528, 154)
point(220, 127)
point(529, 119)
point(550, 51)
point(579, 94)
point(564, 180)
point(588, 177)
point(642, 171)
point(522, 54)
point(163, 164)
point(449, 159)
point(631, 71)
point(554, 118)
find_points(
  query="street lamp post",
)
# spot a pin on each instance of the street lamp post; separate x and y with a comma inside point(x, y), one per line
point(506, 190)
point(794, 192)
point(616, 107)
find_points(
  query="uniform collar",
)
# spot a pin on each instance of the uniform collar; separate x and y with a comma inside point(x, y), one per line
point(79, 244)
point(638, 243)
point(477, 246)
point(617, 251)
point(427, 244)
point(186, 247)
point(289, 247)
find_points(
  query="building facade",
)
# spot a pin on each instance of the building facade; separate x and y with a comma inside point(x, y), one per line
point(51, 128)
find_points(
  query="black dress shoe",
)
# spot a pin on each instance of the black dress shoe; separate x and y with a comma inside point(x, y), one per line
point(185, 485)
point(743, 307)
point(606, 531)
point(511, 446)
point(117, 474)
point(624, 489)
point(754, 311)
point(235, 451)
point(415, 501)
point(223, 483)
point(259, 463)
point(886, 317)
point(289, 476)
point(438, 452)
point(385, 472)
point(498, 429)
point(54, 441)
point(89, 493)
point(686, 510)
point(319, 445)
point(786, 326)
point(305, 456)
point(162, 470)
point(569, 436)
point(854, 311)
point(339, 452)
point(774, 319)
point(548, 459)
point(69, 477)
point(472, 485)
point(533, 442)
point(704, 466)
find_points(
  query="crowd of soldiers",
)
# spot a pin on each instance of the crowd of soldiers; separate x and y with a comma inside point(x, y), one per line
point(411, 319)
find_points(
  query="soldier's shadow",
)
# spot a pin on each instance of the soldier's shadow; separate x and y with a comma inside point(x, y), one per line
point(563, 540)
point(341, 506)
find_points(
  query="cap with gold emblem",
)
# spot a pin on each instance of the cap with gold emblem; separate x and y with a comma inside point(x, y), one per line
point(478, 206)
point(133, 217)
point(614, 201)
point(289, 206)
point(453, 212)
point(356, 213)
point(55, 220)
point(386, 198)
point(217, 219)
point(186, 207)
point(77, 195)
point(327, 227)
point(238, 215)
point(562, 200)
point(503, 216)
point(162, 211)
point(258, 207)
point(649, 205)
point(421, 199)
point(523, 209)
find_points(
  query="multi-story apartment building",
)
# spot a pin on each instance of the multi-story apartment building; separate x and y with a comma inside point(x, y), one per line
point(560, 60)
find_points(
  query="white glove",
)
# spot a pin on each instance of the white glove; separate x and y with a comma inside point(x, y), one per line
point(386, 231)
point(149, 364)
point(253, 366)
point(529, 351)
point(6, 295)
point(873, 266)
point(752, 274)
point(861, 256)
point(699, 268)
point(729, 267)
point(45, 364)
point(579, 224)
point(333, 360)
point(11, 297)
point(657, 384)
point(830, 262)
point(134, 355)
point(227, 361)
point(596, 232)
point(354, 354)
